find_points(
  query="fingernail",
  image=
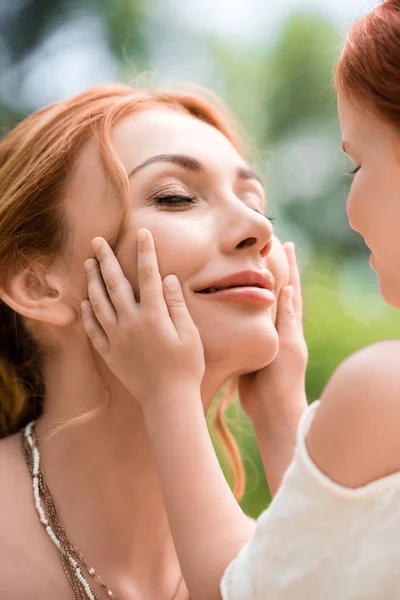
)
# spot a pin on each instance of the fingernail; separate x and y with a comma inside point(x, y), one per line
point(172, 282)
point(84, 305)
point(86, 265)
point(289, 292)
point(142, 236)
point(96, 243)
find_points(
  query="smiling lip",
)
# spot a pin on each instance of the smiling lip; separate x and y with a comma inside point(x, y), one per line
point(246, 287)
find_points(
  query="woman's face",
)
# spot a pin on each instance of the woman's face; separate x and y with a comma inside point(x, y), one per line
point(205, 209)
point(373, 205)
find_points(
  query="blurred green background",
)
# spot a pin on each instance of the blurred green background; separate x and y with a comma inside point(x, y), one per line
point(273, 63)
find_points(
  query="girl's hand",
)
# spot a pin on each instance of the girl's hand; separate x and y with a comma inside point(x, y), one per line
point(280, 386)
point(274, 398)
point(151, 345)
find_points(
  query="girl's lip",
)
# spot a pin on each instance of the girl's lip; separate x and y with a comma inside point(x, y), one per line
point(243, 295)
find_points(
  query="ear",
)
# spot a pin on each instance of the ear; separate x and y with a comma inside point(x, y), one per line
point(38, 297)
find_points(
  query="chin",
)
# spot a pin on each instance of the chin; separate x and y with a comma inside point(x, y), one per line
point(240, 349)
point(391, 297)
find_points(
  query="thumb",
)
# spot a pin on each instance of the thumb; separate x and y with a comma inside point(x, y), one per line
point(176, 305)
point(286, 323)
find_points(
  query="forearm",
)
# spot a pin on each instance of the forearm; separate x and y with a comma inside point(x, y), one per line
point(208, 525)
point(276, 433)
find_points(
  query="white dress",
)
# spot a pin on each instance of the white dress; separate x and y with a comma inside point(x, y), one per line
point(321, 541)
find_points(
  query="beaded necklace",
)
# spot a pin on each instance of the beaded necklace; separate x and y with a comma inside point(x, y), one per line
point(72, 561)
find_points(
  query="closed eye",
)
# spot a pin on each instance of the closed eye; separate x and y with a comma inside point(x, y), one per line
point(175, 199)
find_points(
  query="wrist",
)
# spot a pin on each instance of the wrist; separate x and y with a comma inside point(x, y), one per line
point(172, 398)
point(279, 410)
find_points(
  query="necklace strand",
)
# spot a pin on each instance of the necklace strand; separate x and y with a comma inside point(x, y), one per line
point(36, 477)
point(70, 556)
point(75, 584)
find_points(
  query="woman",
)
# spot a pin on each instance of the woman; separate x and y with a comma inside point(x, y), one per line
point(81, 509)
point(332, 529)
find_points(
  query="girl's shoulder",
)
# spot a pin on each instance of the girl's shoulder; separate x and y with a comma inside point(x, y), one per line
point(355, 435)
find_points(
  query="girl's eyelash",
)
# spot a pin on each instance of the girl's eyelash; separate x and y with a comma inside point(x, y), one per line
point(175, 199)
point(354, 171)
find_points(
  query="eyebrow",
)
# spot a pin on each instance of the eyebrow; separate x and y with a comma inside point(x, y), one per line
point(192, 164)
point(247, 173)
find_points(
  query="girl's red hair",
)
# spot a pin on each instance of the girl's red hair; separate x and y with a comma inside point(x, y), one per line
point(369, 66)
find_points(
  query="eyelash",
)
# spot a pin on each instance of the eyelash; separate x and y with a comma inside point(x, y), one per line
point(270, 218)
point(176, 199)
point(354, 171)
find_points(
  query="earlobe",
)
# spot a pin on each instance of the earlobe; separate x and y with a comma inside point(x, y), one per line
point(39, 298)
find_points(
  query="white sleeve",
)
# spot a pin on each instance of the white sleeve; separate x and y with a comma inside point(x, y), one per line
point(321, 541)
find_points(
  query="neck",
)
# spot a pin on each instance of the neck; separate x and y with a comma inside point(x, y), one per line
point(98, 464)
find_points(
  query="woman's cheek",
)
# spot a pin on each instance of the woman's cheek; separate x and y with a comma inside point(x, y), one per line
point(183, 245)
point(173, 245)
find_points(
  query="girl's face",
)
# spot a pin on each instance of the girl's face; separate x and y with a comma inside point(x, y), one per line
point(373, 205)
point(205, 208)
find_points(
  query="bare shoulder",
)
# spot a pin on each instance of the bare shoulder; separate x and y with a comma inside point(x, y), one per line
point(374, 364)
point(355, 435)
point(13, 481)
point(28, 564)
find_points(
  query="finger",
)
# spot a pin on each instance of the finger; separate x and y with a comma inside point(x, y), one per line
point(118, 288)
point(286, 321)
point(99, 299)
point(150, 283)
point(295, 281)
point(178, 311)
point(93, 328)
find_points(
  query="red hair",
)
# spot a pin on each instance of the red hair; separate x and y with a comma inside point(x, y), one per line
point(227, 441)
point(36, 159)
point(369, 65)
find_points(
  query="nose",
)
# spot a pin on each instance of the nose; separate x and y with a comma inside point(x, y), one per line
point(351, 213)
point(246, 229)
